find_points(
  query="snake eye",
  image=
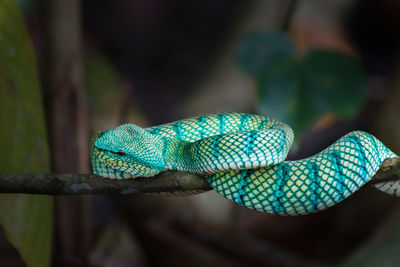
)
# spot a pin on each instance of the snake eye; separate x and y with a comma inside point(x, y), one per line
point(121, 152)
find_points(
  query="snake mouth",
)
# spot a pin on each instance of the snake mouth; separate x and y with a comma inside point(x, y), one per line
point(126, 164)
point(102, 155)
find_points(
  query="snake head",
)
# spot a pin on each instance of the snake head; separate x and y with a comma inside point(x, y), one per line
point(131, 150)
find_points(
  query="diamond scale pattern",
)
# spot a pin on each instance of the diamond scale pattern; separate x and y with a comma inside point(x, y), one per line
point(222, 142)
point(242, 155)
point(309, 185)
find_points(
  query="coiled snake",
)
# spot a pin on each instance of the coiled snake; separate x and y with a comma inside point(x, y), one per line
point(242, 156)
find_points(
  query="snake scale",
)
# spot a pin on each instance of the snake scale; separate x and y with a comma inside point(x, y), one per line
point(242, 156)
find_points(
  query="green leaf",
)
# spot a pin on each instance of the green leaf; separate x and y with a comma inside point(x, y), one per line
point(282, 96)
point(278, 92)
point(258, 52)
point(335, 81)
point(298, 91)
point(25, 219)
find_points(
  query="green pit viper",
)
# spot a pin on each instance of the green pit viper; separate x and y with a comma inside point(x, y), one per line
point(242, 157)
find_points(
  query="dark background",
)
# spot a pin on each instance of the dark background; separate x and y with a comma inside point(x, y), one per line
point(149, 62)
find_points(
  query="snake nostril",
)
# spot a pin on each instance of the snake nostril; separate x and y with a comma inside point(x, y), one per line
point(121, 152)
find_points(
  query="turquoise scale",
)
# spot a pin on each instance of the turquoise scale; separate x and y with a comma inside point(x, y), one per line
point(242, 157)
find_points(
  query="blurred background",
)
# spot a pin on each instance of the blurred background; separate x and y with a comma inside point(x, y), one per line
point(325, 68)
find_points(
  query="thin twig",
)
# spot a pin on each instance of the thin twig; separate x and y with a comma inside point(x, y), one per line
point(167, 182)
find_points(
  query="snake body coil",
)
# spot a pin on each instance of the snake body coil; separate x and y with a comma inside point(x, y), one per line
point(242, 156)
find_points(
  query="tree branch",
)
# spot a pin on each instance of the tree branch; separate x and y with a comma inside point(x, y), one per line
point(166, 182)
point(389, 171)
point(76, 184)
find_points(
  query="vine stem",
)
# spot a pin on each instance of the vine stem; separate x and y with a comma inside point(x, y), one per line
point(166, 182)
